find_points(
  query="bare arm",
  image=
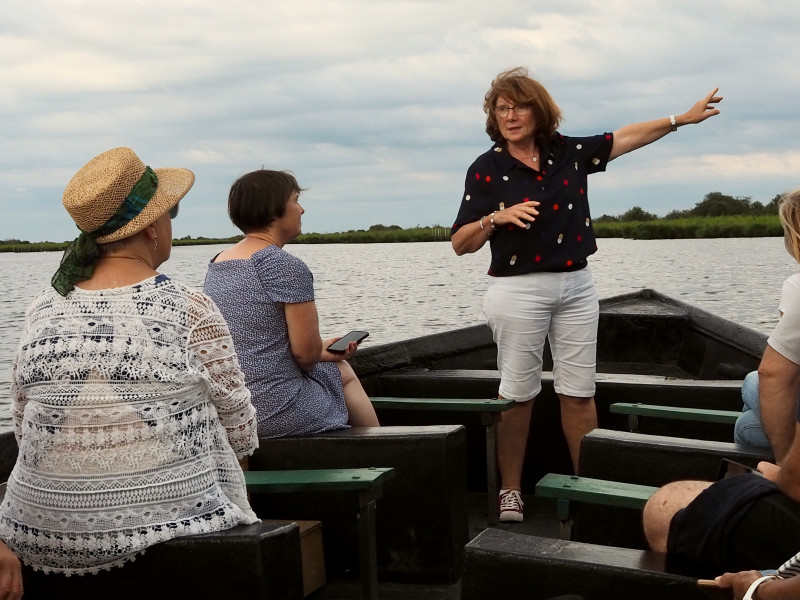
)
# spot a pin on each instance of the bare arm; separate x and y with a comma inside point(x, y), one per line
point(471, 238)
point(305, 343)
point(636, 135)
point(788, 479)
point(778, 391)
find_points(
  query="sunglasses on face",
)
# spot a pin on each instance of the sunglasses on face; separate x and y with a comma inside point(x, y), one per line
point(173, 212)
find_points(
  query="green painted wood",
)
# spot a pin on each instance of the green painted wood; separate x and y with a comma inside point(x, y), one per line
point(444, 404)
point(676, 412)
point(307, 480)
point(595, 491)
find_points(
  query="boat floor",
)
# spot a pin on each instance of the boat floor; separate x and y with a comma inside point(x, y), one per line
point(539, 520)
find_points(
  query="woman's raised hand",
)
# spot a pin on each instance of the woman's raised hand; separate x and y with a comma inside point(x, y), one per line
point(521, 214)
point(702, 109)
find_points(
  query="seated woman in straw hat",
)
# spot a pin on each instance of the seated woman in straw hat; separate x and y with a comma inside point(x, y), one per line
point(129, 406)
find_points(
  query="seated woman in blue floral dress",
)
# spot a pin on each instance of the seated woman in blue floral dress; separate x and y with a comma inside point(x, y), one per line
point(267, 297)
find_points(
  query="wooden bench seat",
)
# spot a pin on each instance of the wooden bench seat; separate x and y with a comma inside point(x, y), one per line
point(259, 562)
point(570, 489)
point(514, 566)
point(422, 519)
point(365, 484)
point(635, 410)
point(489, 409)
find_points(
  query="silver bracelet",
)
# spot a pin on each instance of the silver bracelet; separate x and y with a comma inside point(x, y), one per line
point(491, 220)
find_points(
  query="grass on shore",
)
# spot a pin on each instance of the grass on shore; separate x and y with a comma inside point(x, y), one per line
point(670, 229)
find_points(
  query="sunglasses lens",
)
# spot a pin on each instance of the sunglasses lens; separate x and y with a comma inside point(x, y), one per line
point(173, 212)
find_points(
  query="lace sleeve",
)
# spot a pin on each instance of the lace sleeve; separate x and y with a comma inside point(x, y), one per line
point(210, 341)
point(18, 398)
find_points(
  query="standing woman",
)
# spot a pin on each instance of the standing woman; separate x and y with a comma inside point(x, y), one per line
point(129, 406)
point(527, 197)
point(267, 297)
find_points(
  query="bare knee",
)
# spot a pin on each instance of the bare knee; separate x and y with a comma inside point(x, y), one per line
point(348, 374)
point(663, 505)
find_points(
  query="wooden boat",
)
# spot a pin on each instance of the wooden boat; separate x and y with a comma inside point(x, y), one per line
point(651, 348)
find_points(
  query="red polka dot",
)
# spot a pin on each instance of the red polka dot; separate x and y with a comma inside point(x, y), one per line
point(538, 178)
point(579, 238)
point(569, 263)
point(555, 206)
point(538, 258)
point(566, 182)
point(511, 228)
point(477, 175)
point(526, 199)
point(581, 191)
point(488, 179)
point(608, 136)
point(455, 225)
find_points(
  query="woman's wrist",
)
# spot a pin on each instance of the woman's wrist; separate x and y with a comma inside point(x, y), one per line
point(488, 230)
point(751, 591)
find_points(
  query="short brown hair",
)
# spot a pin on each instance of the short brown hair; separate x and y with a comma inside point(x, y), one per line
point(259, 198)
point(519, 88)
point(789, 213)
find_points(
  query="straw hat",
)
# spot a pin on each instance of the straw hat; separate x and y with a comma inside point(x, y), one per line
point(96, 192)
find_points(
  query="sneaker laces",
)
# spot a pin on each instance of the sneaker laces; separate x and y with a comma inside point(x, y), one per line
point(511, 500)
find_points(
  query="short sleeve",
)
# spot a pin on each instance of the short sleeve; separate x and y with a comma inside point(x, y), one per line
point(593, 151)
point(785, 338)
point(285, 277)
point(477, 200)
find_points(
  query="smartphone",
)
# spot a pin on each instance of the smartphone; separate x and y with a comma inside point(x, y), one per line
point(353, 336)
point(729, 468)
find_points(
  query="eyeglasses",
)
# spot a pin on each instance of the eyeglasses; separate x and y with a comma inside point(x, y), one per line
point(173, 212)
point(520, 109)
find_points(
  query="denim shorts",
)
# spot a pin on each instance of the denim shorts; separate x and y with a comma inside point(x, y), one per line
point(524, 310)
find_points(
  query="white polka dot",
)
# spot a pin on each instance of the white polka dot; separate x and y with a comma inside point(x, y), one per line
point(595, 161)
point(576, 166)
point(498, 149)
point(579, 146)
point(467, 197)
point(550, 162)
point(527, 225)
point(502, 205)
point(570, 206)
point(513, 259)
point(560, 237)
point(587, 221)
point(505, 177)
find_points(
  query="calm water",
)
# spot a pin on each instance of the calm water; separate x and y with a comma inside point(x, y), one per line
point(399, 291)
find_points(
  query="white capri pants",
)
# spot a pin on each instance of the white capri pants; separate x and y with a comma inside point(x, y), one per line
point(523, 310)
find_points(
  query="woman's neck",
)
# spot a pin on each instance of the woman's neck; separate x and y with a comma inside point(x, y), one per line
point(526, 152)
point(267, 238)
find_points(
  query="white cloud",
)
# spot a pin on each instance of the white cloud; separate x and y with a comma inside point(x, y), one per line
point(376, 104)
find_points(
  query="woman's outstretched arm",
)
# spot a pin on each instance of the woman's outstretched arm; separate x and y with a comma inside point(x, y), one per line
point(636, 135)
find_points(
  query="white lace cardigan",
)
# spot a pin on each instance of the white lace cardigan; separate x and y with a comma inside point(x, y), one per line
point(130, 412)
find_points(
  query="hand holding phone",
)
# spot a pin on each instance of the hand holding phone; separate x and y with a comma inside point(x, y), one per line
point(343, 342)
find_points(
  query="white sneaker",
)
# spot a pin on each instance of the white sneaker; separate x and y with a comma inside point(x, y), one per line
point(511, 506)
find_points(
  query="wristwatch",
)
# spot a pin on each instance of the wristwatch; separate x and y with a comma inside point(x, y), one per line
point(750, 594)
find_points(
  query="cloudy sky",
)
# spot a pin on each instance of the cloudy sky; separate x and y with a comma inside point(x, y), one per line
point(375, 105)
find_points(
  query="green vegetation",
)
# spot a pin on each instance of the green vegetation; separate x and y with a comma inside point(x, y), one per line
point(717, 215)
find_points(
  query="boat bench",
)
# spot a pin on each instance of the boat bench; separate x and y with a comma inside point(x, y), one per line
point(489, 409)
point(421, 520)
point(655, 460)
point(365, 484)
point(261, 561)
point(646, 460)
point(634, 410)
point(515, 566)
point(566, 489)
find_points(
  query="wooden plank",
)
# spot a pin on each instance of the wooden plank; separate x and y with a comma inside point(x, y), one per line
point(316, 479)
point(444, 404)
point(707, 415)
point(596, 491)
